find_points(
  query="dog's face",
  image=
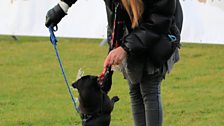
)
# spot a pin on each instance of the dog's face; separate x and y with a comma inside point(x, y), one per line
point(86, 83)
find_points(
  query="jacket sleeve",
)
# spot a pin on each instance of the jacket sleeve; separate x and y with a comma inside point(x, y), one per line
point(69, 2)
point(156, 21)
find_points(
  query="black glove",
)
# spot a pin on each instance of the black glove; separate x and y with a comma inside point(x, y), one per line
point(54, 16)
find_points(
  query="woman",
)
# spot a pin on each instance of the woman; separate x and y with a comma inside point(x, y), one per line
point(147, 21)
point(150, 19)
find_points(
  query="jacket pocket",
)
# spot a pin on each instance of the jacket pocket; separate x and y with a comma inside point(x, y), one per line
point(162, 50)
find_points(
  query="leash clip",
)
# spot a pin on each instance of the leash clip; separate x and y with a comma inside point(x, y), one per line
point(172, 38)
point(53, 38)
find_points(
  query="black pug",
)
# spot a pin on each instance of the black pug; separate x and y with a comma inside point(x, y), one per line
point(95, 105)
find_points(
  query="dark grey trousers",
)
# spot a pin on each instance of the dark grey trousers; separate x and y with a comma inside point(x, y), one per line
point(146, 101)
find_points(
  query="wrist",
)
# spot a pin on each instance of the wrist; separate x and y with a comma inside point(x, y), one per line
point(69, 2)
point(126, 49)
point(64, 6)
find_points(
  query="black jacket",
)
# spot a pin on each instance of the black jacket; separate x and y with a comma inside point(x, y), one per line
point(160, 17)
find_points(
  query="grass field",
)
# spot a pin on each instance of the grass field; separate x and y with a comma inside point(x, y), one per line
point(33, 92)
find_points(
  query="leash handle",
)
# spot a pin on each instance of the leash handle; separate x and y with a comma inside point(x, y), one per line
point(54, 41)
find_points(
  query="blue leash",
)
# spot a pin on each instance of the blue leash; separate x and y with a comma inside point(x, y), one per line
point(54, 41)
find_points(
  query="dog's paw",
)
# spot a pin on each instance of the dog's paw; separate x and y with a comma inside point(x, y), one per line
point(115, 99)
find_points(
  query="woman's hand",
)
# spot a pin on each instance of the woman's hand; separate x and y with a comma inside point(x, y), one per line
point(115, 57)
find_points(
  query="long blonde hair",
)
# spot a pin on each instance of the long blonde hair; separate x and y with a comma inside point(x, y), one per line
point(135, 9)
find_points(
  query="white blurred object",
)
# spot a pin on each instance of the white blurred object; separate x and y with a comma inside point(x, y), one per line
point(85, 19)
point(203, 22)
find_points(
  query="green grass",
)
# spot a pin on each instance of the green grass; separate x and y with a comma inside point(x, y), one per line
point(33, 92)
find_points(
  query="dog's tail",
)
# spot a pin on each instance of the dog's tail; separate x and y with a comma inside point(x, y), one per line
point(115, 99)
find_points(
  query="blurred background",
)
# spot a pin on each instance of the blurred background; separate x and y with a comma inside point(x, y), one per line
point(32, 88)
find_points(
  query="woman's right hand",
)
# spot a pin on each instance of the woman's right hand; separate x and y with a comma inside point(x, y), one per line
point(115, 57)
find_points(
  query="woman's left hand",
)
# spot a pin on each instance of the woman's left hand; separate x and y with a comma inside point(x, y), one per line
point(115, 57)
